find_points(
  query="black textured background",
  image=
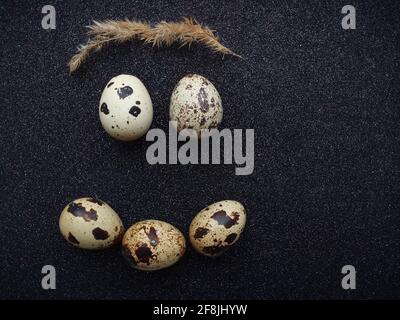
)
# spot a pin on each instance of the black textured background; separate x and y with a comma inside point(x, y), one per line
point(324, 103)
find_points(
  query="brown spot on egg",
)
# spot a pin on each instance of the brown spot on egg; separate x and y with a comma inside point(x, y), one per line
point(100, 234)
point(230, 238)
point(97, 201)
point(124, 92)
point(152, 235)
point(223, 219)
point(144, 254)
point(203, 101)
point(79, 211)
point(201, 232)
point(127, 254)
point(72, 239)
point(104, 108)
point(135, 111)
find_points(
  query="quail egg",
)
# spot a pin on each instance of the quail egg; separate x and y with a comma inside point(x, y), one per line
point(90, 223)
point(217, 227)
point(125, 108)
point(195, 104)
point(152, 245)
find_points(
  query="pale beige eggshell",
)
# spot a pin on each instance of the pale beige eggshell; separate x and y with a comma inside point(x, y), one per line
point(152, 245)
point(217, 227)
point(195, 104)
point(90, 223)
point(125, 108)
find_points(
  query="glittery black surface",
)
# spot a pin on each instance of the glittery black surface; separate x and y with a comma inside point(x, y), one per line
point(324, 104)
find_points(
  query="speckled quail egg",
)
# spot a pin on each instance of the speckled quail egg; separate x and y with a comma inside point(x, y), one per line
point(195, 104)
point(125, 108)
point(217, 227)
point(89, 223)
point(152, 245)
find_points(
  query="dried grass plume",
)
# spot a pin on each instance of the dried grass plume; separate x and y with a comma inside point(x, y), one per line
point(184, 32)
